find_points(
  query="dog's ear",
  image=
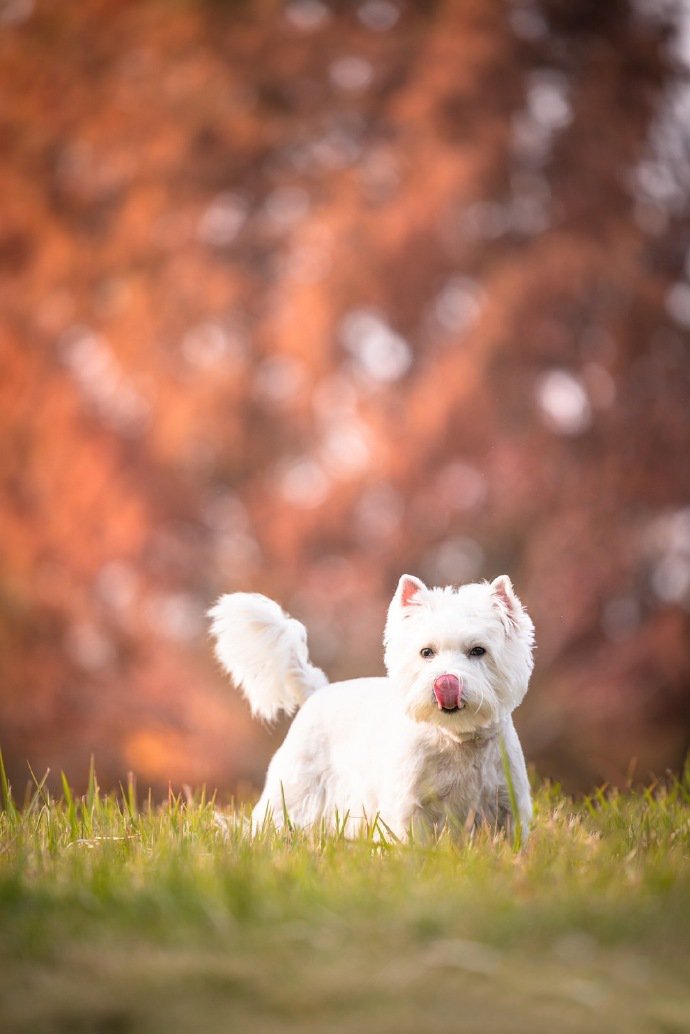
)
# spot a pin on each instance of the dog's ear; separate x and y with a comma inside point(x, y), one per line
point(506, 601)
point(407, 593)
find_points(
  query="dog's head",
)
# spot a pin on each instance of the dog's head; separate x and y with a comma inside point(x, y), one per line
point(461, 657)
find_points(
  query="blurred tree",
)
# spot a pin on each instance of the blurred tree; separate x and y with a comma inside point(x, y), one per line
point(299, 296)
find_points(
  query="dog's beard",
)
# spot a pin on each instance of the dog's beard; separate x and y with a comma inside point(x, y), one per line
point(481, 706)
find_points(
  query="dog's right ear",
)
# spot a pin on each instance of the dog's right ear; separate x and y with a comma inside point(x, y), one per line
point(408, 592)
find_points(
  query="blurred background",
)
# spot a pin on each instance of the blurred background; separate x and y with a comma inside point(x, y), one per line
point(297, 296)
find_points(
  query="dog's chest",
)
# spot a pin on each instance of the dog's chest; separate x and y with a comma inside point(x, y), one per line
point(457, 782)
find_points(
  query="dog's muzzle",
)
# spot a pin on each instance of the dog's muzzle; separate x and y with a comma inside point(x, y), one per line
point(448, 692)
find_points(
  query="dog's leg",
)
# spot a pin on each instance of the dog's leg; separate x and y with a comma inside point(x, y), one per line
point(518, 774)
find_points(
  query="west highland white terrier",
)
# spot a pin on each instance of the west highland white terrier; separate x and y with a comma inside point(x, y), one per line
point(430, 745)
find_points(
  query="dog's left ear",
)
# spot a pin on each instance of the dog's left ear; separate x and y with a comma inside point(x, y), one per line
point(408, 592)
point(506, 602)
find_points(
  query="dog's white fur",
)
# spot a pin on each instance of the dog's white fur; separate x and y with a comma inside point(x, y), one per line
point(384, 747)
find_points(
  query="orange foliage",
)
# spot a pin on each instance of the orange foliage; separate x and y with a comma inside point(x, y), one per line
point(297, 296)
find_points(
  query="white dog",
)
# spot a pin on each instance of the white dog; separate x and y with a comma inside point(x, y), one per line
point(427, 746)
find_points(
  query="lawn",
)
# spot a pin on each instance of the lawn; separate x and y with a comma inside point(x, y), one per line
point(122, 917)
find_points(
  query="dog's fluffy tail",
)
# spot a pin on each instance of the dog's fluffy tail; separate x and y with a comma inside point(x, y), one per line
point(264, 651)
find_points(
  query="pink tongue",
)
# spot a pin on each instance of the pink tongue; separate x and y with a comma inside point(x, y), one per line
point(447, 691)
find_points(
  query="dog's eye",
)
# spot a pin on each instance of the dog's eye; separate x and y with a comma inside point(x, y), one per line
point(426, 652)
point(477, 651)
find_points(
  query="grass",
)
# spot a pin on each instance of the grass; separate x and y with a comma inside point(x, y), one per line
point(117, 918)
